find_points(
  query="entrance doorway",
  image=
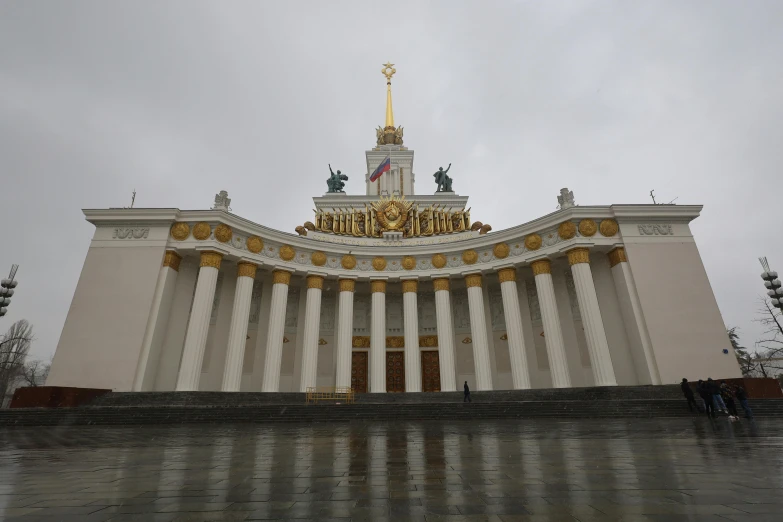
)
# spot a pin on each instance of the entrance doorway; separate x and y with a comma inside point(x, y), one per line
point(430, 372)
point(395, 372)
point(359, 372)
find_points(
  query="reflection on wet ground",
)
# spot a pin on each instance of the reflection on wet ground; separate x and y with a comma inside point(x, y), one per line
point(602, 470)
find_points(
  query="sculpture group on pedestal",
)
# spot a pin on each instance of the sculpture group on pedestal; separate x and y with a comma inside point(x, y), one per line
point(335, 182)
point(443, 181)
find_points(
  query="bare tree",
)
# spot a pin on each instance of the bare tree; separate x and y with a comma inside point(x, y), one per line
point(14, 346)
point(744, 358)
point(35, 372)
point(769, 349)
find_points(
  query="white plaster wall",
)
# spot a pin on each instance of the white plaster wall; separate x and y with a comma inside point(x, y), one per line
point(686, 328)
point(101, 340)
point(217, 338)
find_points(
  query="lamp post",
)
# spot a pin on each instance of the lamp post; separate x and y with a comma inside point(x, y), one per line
point(772, 283)
point(7, 290)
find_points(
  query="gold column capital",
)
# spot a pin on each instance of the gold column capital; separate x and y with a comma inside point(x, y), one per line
point(507, 274)
point(171, 259)
point(410, 285)
point(211, 259)
point(347, 285)
point(578, 255)
point(441, 283)
point(378, 286)
point(617, 256)
point(473, 280)
point(281, 277)
point(315, 281)
point(246, 270)
point(542, 266)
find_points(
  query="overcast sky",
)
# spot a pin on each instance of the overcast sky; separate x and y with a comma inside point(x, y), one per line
point(180, 99)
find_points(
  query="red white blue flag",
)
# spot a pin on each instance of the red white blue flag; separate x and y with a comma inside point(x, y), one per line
point(383, 167)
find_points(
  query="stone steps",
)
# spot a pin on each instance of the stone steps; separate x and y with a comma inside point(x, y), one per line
point(361, 412)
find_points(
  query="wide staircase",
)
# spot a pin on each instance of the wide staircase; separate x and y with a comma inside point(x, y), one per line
point(137, 408)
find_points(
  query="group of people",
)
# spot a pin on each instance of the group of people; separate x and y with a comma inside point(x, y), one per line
point(717, 396)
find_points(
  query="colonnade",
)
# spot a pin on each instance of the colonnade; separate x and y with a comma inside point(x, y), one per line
point(579, 259)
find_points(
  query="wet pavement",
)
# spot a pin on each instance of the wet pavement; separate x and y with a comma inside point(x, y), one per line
point(536, 470)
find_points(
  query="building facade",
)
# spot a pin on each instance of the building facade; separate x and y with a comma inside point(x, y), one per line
point(391, 291)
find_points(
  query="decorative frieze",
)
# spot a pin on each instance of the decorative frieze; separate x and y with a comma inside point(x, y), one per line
point(656, 230)
point(131, 233)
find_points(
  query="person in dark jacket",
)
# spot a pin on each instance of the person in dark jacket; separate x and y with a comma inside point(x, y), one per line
point(688, 392)
point(742, 397)
point(727, 394)
point(467, 393)
point(706, 396)
point(717, 401)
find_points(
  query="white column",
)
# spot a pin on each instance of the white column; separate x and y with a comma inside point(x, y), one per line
point(553, 334)
point(198, 326)
point(600, 359)
point(635, 326)
point(520, 374)
point(345, 333)
point(237, 332)
point(274, 337)
point(159, 315)
point(411, 325)
point(478, 331)
point(315, 285)
point(448, 370)
point(378, 338)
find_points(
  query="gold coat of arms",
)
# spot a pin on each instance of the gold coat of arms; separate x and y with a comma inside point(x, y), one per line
point(391, 213)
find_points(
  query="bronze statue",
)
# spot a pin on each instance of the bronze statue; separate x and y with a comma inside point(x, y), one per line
point(335, 182)
point(443, 181)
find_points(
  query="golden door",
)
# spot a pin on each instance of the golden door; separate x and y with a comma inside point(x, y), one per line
point(359, 372)
point(395, 372)
point(430, 372)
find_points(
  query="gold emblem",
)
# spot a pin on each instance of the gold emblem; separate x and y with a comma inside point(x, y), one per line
point(608, 227)
point(501, 250)
point(379, 263)
point(438, 260)
point(395, 341)
point(322, 342)
point(533, 242)
point(428, 341)
point(223, 233)
point(391, 213)
point(348, 262)
point(566, 230)
point(180, 231)
point(467, 340)
point(201, 231)
point(360, 341)
point(587, 227)
point(318, 258)
point(287, 253)
point(254, 244)
point(469, 257)
point(409, 262)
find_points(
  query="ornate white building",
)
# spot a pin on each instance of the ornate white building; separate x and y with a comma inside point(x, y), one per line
point(391, 291)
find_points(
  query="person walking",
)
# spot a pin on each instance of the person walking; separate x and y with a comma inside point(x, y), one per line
point(706, 396)
point(467, 393)
point(742, 397)
point(727, 394)
point(714, 389)
point(688, 392)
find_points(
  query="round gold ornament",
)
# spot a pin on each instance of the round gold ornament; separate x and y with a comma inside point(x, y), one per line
point(469, 257)
point(254, 244)
point(180, 231)
point(608, 227)
point(409, 262)
point(348, 262)
point(318, 258)
point(379, 263)
point(201, 231)
point(501, 250)
point(223, 233)
point(587, 227)
point(566, 230)
point(533, 242)
point(438, 260)
point(287, 253)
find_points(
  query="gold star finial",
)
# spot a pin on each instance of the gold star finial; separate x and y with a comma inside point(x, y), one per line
point(388, 71)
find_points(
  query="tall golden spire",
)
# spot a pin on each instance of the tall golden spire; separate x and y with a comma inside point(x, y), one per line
point(388, 71)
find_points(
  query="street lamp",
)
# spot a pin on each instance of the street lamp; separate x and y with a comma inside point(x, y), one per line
point(771, 281)
point(7, 290)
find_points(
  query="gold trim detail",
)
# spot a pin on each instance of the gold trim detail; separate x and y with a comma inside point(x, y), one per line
point(322, 342)
point(247, 270)
point(441, 283)
point(347, 285)
point(507, 274)
point(379, 263)
point(566, 230)
point(504, 337)
point(409, 262)
point(617, 256)
point(281, 277)
point(315, 281)
point(171, 259)
point(180, 231)
point(287, 253)
point(348, 262)
point(542, 266)
point(318, 258)
point(360, 341)
point(608, 227)
point(211, 259)
point(254, 244)
point(578, 255)
point(378, 286)
point(473, 280)
point(428, 341)
point(438, 260)
point(533, 242)
point(587, 227)
point(410, 285)
point(467, 340)
point(223, 233)
point(501, 250)
point(469, 257)
point(201, 231)
point(395, 341)
point(286, 340)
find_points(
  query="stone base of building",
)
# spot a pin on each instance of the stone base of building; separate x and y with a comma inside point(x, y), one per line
point(54, 396)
